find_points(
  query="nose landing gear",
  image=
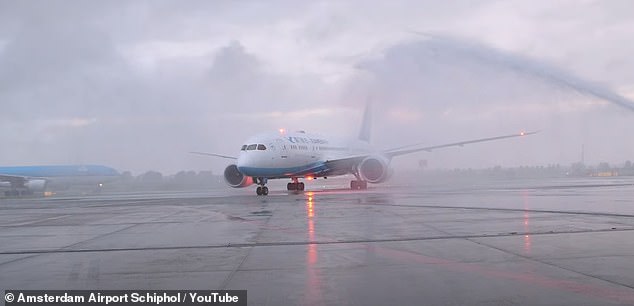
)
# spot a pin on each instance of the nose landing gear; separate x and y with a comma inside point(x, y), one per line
point(262, 189)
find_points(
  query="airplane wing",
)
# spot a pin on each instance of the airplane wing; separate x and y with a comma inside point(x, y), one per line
point(348, 164)
point(411, 148)
point(215, 155)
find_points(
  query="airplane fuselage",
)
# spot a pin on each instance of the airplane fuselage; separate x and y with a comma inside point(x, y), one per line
point(294, 154)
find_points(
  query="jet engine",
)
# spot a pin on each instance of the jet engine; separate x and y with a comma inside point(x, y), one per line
point(235, 178)
point(374, 169)
point(36, 185)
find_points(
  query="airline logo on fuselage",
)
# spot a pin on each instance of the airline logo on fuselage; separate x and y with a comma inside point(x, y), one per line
point(306, 140)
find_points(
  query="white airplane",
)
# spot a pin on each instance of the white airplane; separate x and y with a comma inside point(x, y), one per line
point(298, 155)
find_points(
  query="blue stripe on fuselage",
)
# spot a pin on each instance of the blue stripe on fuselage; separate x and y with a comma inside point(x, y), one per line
point(314, 168)
point(64, 170)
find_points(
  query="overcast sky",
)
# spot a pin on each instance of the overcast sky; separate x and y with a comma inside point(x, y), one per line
point(137, 84)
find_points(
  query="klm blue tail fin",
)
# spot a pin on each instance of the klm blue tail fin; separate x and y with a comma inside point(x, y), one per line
point(366, 125)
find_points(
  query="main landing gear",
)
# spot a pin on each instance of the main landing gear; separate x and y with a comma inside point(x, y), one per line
point(358, 185)
point(262, 189)
point(295, 185)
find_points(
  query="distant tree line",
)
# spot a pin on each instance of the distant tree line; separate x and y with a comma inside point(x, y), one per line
point(189, 180)
point(154, 180)
point(554, 170)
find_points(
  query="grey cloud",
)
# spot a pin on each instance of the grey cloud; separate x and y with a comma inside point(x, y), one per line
point(137, 120)
point(71, 93)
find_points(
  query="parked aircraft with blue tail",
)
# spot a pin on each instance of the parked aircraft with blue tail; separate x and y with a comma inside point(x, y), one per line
point(27, 180)
point(296, 155)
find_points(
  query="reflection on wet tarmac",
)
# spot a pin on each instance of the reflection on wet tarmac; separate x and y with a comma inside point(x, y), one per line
point(313, 281)
point(488, 245)
point(527, 229)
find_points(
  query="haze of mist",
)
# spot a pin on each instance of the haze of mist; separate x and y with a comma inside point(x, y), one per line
point(137, 85)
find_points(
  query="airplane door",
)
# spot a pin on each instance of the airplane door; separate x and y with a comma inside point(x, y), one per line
point(283, 152)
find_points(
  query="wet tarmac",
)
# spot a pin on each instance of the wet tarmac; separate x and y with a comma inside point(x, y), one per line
point(557, 242)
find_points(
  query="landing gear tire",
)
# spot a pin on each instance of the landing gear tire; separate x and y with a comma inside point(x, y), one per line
point(358, 185)
point(262, 190)
point(294, 186)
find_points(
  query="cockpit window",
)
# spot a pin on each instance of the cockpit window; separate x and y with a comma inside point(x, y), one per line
point(244, 147)
point(261, 147)
point(252, 147)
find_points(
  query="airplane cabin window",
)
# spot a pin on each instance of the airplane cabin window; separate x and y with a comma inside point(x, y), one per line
point(261, 147)
point(252, 147)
